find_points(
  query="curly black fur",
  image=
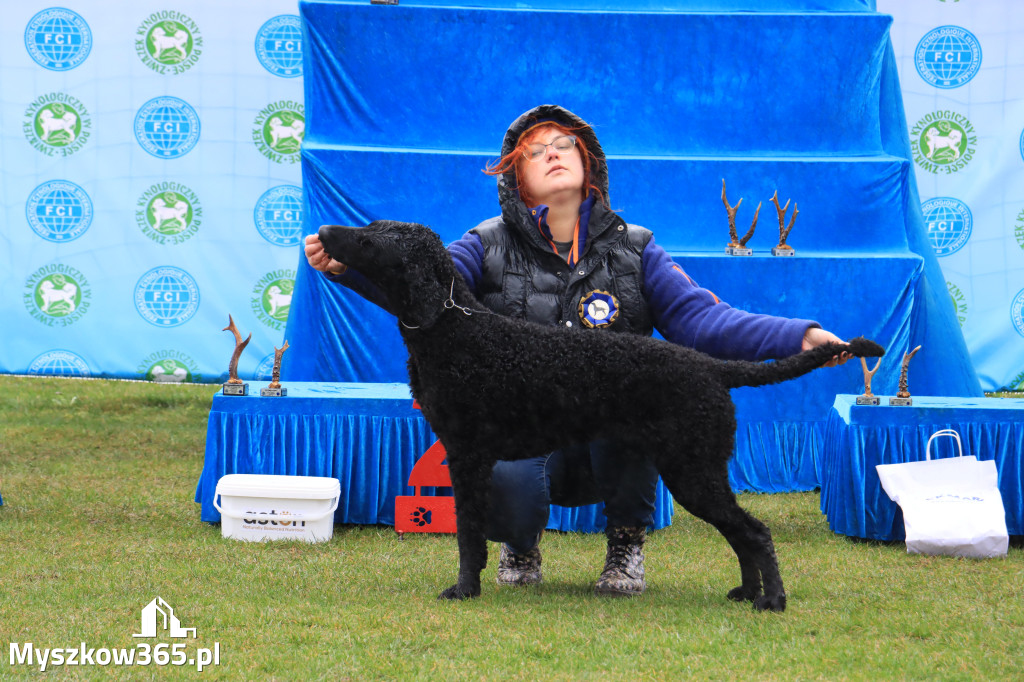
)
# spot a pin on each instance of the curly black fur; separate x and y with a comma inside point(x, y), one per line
point(495, 388)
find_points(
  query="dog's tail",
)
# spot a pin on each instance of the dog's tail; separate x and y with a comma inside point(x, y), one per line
point(736, 373)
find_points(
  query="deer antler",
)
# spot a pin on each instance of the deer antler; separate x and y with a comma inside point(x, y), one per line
point(239, 347)
point(783, 230)
point(734, 239)
point(904, 389)
point(868, 374)
point(275, 377)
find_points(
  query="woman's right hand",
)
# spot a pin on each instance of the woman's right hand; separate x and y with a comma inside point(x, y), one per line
point(318, 258)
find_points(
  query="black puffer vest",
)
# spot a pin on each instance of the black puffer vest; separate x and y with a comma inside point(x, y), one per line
point(524, 278)
point(521, 278)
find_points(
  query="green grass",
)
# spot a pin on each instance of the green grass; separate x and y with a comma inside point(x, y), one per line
point(99, 481)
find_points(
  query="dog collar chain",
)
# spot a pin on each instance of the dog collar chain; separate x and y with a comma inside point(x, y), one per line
point(448, 305)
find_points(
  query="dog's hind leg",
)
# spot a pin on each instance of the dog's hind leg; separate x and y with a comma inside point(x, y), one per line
point(702, 488)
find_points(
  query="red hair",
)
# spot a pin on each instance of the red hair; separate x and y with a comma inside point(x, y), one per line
point(515, 159)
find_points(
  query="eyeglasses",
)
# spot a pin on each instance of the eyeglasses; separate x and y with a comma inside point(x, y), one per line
point(562, 143)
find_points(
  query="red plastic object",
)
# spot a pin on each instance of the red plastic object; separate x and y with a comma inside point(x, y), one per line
point(418, 513)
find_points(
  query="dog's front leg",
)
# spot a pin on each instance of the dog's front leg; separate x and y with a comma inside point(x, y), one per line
point(470, 484)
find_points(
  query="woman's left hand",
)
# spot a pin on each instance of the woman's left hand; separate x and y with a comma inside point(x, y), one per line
point(816, 336)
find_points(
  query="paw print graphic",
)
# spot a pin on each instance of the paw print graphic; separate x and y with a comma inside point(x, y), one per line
point(421, 516)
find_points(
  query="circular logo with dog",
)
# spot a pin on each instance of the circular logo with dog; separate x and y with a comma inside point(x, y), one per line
point(57, 295)
point(1016, 316)
point(59, 211)
point(278, 131)
point(279, 46)
point(278, 215)
point(959, 302)
point(598, 309)
point(948, 57)
point(57, 123)
point(949, 224)
point(169, 367)
point(166, 296)
point(168, 42)
point(943, 142)
point(59, 363)
point(58, 39)
point(169, 213)
point(272, 297)
point(1017, 383)
point(167, 127)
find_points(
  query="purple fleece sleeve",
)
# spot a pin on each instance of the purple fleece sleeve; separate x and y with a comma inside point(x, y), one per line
point(691, 316)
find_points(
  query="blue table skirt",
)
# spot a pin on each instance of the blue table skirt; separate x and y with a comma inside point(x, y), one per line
point(857, 437)
point(368, 436)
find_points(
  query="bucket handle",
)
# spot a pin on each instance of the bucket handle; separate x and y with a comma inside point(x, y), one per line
point(280, 517)
point(943, 432)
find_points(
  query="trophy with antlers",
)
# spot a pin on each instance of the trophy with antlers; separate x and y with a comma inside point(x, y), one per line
point(784, 249)
point(273, 389)
point(868, 398)
point(903, 394)
point(234, 385)
point(738, 246)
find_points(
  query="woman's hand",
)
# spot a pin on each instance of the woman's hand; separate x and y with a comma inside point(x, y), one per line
point(318, 258)
point(816, 336)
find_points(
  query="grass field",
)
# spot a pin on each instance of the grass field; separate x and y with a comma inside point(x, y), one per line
point(98, 480)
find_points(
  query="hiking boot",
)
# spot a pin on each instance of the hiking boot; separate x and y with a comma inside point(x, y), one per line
point(519, 569)
point(623, 574)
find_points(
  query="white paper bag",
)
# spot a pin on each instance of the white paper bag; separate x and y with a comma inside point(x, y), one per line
point(950, 506)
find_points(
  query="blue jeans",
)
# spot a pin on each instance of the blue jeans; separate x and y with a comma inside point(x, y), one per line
point(522, 491)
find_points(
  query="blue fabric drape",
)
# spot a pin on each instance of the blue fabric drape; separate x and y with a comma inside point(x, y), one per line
point(810, 107)
point(368, 436)
point(859, 437)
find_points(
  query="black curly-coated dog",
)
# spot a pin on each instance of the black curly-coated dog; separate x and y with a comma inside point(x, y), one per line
point(495, 388)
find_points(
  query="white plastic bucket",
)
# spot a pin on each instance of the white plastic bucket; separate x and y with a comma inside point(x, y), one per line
point(257, 507)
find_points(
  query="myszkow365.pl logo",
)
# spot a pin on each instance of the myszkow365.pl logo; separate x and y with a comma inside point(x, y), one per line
point(272, 297)
point(158, 620)
point(943, 141)
point(59, 211)
point(169, 367)
point(959, 302)
point(57, 295)
point(278, 131)
point(169, 213)
point(279, 46)
point(58, 39)
point(57, 123)
point(948, 57)
point(168, 42)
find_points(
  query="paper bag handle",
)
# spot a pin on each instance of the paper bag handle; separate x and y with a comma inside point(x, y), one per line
point(943, 432)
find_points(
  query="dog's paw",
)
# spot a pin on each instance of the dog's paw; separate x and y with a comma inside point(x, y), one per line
point(770, 603)
point(743, 593)
point(458, 592)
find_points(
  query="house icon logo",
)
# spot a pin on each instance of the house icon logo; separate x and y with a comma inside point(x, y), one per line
point(158, 614)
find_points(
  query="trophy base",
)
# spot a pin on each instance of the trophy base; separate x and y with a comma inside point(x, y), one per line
point(778, 251)
point(235, 389)
point(273, 392)
point(868, 400)
point(738, 251)
point(901, 401)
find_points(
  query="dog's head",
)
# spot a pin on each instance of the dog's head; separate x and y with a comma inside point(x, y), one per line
point(406, 261)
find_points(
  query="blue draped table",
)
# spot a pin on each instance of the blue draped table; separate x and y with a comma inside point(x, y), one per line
point(857, 437)
point(368, 436)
